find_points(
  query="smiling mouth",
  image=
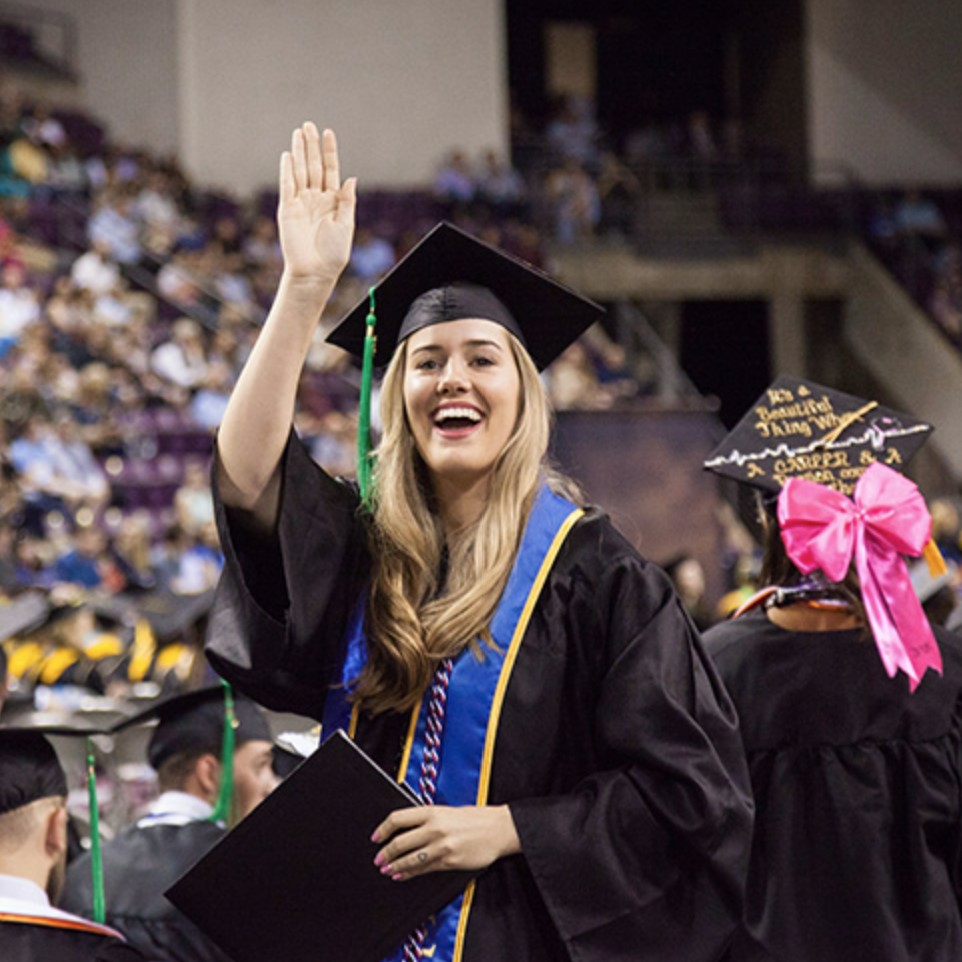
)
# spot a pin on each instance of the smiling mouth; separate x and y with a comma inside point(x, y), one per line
point(456, 421)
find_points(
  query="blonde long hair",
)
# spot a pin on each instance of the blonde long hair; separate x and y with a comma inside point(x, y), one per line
point(417, 613)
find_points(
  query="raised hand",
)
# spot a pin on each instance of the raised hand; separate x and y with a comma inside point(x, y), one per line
point(315, 216)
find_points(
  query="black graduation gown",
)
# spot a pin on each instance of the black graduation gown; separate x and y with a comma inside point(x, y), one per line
point(857, 852)
point(140, 864)
point(617, 749)
point(25, 942)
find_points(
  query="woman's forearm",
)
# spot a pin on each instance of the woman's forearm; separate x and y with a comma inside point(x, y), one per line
point(256, 424)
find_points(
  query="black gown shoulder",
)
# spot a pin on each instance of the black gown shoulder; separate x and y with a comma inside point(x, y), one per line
point(21, 942)
point(140, 864)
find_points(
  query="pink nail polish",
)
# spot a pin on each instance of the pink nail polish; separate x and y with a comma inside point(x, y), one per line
point(386, 870)
point(375, 837)
point(379, 860)
point(397, 877)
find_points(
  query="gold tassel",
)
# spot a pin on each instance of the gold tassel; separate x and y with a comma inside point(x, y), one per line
point(933, 558)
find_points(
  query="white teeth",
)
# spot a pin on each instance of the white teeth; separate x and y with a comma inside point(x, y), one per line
point(456, 412)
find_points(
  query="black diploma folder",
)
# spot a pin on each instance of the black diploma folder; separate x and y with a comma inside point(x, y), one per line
point(296, 879)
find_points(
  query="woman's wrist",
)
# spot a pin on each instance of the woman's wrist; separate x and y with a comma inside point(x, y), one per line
point(315, 288)
point(509, 842)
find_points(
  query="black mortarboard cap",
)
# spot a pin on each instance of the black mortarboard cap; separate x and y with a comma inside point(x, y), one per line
point(308, 847)
point(451, 275)
point(799, 429)
point(29, 766)
point(194, 722)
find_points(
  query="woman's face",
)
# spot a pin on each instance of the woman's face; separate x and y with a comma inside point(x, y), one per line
point(462, 395)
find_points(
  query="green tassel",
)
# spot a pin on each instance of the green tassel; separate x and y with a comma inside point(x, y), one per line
point(225, 793)
point(96, 854)
point(364, 457)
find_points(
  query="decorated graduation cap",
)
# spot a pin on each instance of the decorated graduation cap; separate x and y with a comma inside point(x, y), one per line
point(451, 275)
point(799, 429)
point(835, 461)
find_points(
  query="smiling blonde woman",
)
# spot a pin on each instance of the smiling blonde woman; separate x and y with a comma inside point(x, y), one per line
point(477, 631)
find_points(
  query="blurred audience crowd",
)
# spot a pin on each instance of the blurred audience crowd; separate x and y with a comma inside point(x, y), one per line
point(130, 298)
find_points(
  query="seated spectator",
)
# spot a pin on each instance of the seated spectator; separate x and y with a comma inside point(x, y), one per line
point(67, 175)
point(209, 402)
point(84, 563)
point(619, 192)
point(371, 256)
point(182, 359)
point(130, 551)
point(261, 245)
point(453, 181)
point(500, 186)
point(574, 203)
point(114, 225)
point(19, 305)
point(198, 562)
point(94, 271)
point(179, 279)
point(573, 133)
point(42, 128)
point(193, 502)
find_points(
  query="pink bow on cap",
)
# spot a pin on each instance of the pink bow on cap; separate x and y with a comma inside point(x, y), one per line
point(886, 518)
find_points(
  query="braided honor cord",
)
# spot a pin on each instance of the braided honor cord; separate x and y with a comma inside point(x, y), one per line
point(428, 780)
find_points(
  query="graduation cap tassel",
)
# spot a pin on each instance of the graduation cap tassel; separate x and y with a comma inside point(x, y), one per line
point(225, 793)
point(364, 413)
point(96, 854)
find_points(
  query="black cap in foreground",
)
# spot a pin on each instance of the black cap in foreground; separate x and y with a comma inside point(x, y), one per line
point(451, 276)
point(195, 723)
point(799, 429)
point(29, 766)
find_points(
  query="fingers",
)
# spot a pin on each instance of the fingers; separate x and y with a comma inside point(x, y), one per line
point(347, 201)
point(315, 164)
point(332, 164)
point(286, 177)
point(312, 144)
point(299, 157)
point(407, 852)
point(400, 820)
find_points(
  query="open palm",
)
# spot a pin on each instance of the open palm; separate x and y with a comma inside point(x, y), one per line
point(315, 216)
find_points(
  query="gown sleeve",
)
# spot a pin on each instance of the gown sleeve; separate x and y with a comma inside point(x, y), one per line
point(282, 605)
point(646, 858)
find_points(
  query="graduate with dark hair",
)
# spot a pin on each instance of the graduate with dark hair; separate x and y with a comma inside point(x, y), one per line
point(476, 630)
point(33, 858)
point(143, 860)
point(850, 702)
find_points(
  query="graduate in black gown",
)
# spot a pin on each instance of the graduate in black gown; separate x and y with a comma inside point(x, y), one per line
point(481, 635)
point(857, 852)
point(143, 860)
point(33, 853)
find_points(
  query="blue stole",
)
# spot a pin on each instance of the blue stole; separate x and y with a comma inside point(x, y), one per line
point(475, 695)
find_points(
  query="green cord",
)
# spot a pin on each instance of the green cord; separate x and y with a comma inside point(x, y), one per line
point(96, 854)
point(225, 793)
point(364, 459)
